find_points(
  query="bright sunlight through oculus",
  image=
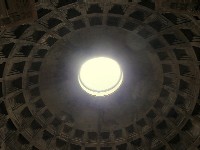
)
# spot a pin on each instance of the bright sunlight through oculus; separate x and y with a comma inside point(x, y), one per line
point(100, 76)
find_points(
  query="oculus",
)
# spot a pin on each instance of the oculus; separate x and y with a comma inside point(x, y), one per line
point(100, 76)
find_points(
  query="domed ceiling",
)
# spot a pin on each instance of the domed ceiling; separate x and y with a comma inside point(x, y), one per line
point(157, 107)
